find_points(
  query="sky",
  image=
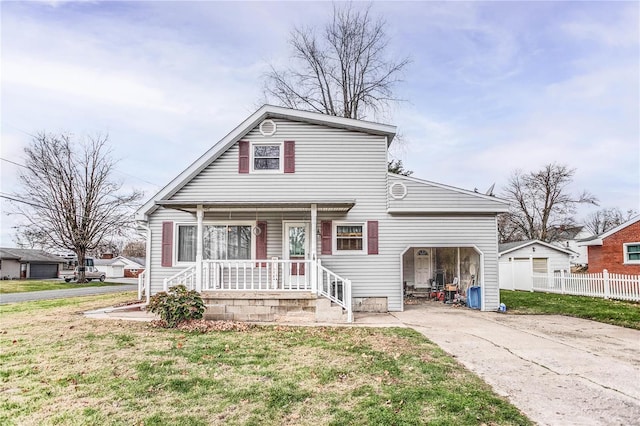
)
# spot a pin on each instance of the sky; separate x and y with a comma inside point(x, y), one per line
point(492, 87)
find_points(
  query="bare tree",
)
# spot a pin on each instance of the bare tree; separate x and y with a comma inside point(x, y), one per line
point(342, 71)
point(603, 220)
point(540, 201)
point(136, 248)
point(69, 198)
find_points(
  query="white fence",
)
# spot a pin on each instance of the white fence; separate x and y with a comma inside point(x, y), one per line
point(604, 284)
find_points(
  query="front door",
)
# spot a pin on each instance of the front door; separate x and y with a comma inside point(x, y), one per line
point(296, 248)
point(422, 268)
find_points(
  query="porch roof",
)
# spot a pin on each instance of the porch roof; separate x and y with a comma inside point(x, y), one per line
point(252, 206)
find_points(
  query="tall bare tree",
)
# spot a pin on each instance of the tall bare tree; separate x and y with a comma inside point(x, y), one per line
point(605, 219)
point(69, 198)
point(343, 70)
point(540, 201)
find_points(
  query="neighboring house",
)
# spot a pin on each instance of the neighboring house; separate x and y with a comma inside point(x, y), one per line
point(301, 202)
point(120, 266)
point(521, 259)
point(568, 238)
point(617, 250)
point(26, 263)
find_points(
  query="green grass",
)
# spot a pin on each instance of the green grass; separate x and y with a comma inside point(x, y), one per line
point(22, 286)
point(624, 314)
point(57, 367)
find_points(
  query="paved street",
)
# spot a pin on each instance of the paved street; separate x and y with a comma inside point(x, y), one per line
point(59, 294)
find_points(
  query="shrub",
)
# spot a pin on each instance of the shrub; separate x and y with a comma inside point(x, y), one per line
point(177, 305)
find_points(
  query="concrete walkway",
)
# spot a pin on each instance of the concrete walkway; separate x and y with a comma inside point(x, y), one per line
point(558, 370)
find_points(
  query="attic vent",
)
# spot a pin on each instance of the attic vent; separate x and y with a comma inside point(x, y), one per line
point(268, 128)
point(398, 190)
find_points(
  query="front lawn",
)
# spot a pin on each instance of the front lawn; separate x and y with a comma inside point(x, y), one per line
point(22, 286)
point(57, 367)
point(616, 312)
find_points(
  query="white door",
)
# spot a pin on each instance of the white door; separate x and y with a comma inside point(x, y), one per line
point(422, 268)
point(522, 279)
point(296, 249)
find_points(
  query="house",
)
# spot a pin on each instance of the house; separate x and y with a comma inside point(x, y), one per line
point(18, 263)
point(568, 238)
point(120, 266)
point(295, 204)
point(519, 260)
point(617, 250)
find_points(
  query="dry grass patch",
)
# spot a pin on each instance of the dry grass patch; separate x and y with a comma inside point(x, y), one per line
point(58, 367)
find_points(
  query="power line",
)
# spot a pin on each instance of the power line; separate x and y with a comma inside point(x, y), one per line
point(116, 170)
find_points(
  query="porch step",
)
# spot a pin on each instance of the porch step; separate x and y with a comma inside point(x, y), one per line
point(327, 311)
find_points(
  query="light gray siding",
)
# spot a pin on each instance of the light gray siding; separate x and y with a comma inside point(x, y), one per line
point(336, 164)
point(10, 268)
point(422, 196)
point(331, 164)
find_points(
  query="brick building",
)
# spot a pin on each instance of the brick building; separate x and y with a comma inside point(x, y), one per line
point(617, 250)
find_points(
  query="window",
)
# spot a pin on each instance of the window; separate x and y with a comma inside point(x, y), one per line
point(350, 237)
point(187, 243)
point(266, 157)
point(219, 242)
point(223, 242)
point(632, 253)
point(540, 265)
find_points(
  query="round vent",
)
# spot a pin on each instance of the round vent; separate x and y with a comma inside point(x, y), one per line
point(398, 190)
point(268, 128)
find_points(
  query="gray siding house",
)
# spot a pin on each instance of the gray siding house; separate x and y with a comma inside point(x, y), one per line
point(301, 202)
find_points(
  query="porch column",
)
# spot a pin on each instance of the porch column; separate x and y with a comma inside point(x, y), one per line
point(314, 245)
point(199, 230)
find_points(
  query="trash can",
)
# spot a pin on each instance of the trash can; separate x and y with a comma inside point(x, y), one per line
point(473, 297)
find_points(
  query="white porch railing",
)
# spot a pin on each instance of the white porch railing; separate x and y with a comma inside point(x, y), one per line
point(186, 277)
point(142, 286)
point(605, 285)
point(267, 275)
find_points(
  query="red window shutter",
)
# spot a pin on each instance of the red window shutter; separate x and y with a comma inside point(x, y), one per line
point(243, 157)
point(167, 243)
point(289, 156)
point(372, 237)
point(261, 241)
point(327, 242)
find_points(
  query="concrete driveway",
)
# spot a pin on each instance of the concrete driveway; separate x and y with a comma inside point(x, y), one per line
point(557, 370)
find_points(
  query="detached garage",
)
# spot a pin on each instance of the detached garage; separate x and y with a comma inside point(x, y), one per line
point(25, 263)
point(518, 261)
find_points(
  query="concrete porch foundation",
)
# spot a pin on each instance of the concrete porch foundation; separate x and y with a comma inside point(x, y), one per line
point(289, 306)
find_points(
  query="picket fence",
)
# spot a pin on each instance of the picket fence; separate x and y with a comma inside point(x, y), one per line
point(604, 284)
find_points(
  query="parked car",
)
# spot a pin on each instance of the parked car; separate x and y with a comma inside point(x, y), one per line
point(90, 272)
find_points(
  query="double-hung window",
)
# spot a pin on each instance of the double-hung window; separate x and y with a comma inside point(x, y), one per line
point(187, 243)
point(266, 157)
point(632, 253)
point(350, 237)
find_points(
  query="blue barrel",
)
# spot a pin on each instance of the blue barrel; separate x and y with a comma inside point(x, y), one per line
point(473, 297)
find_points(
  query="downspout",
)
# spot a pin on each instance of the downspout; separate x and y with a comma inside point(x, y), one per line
point(147, 260)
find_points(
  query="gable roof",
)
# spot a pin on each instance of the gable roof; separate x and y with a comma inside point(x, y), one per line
point(266, 111)
point(29, 255)
point(505, 248)
point(120, 261)
point(597, 241)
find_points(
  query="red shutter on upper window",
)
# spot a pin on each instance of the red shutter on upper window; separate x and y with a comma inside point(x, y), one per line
point(372, 237)
point(326, 237)
point(167, 244)
point(289, 156)
point(243, 157)
point(261, 241)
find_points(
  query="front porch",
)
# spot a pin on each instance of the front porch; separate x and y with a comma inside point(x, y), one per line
point(268, 290)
